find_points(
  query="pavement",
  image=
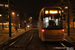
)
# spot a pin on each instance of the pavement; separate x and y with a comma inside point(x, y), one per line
point(70, 38)
point(4, 34)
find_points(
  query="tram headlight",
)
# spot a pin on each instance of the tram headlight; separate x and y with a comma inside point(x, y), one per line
point(53, 11)
point(46, 11)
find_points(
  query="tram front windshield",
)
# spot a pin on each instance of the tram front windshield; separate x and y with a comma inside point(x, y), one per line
point(52, 22)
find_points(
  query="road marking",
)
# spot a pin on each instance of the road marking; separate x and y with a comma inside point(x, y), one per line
point(11, 43)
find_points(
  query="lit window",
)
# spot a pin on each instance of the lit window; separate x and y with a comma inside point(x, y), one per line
point(6, 5)
point(1, 4)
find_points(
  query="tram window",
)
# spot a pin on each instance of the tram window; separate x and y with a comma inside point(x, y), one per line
point(59, 19)
point(45, 22)
point(56, 21)
point(49, 22)
point(49, 18)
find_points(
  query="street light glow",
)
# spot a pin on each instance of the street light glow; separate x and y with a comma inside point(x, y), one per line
point(66, 7)
point(13, 13)
point(17, 14)
point(0, 15)
point(30, 17)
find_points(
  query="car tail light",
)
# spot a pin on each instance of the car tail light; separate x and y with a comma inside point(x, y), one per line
point(43, 30)
point(63, 30)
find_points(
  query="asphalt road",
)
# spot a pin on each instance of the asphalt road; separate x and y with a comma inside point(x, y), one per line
point(31, 41)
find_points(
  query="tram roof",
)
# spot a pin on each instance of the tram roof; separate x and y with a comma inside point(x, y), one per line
point(54, 7)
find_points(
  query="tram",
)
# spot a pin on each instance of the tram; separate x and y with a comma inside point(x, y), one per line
point(50, 24)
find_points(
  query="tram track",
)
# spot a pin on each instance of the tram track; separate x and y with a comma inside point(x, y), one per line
point(64, 45)
point(24, 47)
point(67, 45)
point(31, 41)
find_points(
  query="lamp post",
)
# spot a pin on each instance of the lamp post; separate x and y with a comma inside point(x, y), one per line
point(9, 19)
point(68, 19)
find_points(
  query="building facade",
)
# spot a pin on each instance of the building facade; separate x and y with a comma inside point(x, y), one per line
point(4, 17)
point(64, 5)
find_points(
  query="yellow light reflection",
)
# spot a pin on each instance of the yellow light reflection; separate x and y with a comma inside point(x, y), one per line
point(53, 11)
point(46, 12)
point(0, 15)
point(13, 13)
point(59, 11)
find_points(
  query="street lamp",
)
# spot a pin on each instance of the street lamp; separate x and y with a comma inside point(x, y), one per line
point(17, 14)
point(0, 15)
point(13, 13)
point(30, 19)
point(66, 7)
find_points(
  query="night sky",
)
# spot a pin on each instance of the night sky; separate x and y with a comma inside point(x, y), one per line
point(33, 7)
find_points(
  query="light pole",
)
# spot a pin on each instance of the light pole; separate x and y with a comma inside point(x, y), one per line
point(9, 19)
point(68, 19)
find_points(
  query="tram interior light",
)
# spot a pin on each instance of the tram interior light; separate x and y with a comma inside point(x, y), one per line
point(56, 22)
point(49, 18)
